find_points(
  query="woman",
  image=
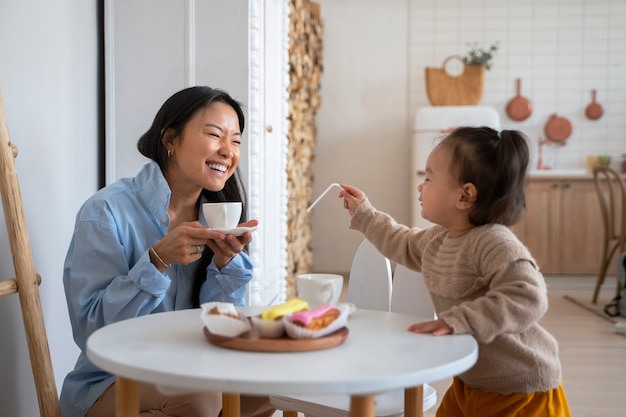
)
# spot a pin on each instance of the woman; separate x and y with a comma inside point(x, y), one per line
point(140, 246)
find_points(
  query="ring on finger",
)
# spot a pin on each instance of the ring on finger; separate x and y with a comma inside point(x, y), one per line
point(198, 249)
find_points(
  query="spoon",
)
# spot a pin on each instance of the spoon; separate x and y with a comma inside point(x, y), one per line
point(334, 184)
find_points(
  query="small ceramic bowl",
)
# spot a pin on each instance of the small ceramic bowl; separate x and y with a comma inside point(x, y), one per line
point(268, 328)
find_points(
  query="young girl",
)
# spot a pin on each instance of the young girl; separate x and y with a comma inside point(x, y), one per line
point(482, 279)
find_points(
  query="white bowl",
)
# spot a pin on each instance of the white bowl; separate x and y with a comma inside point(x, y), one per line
point(268, 328)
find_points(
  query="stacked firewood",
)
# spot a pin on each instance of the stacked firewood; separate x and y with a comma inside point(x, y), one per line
point(305, 69)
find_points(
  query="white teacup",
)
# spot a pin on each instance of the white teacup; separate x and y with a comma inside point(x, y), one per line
point(318, 289)
point(224, 215)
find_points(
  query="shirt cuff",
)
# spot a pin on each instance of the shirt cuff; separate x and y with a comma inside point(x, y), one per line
point(148, 278)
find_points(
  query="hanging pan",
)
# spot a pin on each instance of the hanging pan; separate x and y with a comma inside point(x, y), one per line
point(558, 129)
point(594, 110)
point(519, 107)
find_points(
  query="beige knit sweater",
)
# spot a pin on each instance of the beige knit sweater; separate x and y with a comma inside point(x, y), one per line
point(486, 284)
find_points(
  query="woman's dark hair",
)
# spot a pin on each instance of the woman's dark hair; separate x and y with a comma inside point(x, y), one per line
point(174, 115)
point(496, 163)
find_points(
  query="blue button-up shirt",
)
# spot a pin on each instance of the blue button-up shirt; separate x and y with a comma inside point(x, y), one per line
point(108, 275)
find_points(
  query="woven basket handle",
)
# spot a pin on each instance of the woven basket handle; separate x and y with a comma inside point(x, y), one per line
point(448, 59)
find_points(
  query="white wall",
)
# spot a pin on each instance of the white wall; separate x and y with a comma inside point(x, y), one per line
point(153, 51)
point(48, 78)
point(363, 122)
point(560, 49)
point(373, 83)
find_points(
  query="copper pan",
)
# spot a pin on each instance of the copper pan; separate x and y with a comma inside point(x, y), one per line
point(594, 110)
point(558, 129)
point(519, 107)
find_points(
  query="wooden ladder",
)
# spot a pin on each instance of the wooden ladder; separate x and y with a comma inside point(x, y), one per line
point(26, 280)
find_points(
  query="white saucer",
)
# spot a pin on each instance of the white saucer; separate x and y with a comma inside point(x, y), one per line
point(351, 307)
point(251, 310)
point(237, 231)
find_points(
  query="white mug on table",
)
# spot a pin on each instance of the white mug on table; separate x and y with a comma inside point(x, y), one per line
point(318, 289)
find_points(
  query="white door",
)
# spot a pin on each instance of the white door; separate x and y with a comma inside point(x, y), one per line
point(154, 48)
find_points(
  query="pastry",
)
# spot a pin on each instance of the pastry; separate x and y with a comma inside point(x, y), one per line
point(317, 318)
point(223, 319)
point(278, 311)
point(224, 309)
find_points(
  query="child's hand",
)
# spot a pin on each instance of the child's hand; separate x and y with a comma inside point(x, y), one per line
point(352, 197)
point(436, 328)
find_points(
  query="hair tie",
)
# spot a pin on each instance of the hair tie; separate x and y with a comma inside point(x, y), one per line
point(499, 134)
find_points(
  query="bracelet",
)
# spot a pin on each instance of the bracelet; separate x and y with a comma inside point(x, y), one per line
point(156, 255)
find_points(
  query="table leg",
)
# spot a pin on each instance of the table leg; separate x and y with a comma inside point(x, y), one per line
point(414, 401)
point(126, 397)
point(362, 406)
point(231, 406)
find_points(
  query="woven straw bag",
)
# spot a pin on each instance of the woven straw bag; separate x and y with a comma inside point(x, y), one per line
point(444, 89)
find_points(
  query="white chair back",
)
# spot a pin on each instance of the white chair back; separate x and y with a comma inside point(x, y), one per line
point(410, 295)
point(369, 287)
point(369, 284)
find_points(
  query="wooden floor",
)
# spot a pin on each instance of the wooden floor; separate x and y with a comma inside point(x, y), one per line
point(593, 355)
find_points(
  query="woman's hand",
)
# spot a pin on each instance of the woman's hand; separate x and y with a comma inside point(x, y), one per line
point(352, 197)
point(435, 327)
point(184, 244)
point(226, 248)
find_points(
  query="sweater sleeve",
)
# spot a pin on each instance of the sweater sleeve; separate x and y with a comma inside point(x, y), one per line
point(515, 299)
point(400, 243)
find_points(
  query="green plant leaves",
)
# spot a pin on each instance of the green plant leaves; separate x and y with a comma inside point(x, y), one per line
point(480, 56)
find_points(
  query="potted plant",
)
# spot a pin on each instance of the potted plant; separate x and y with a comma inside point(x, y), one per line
point(480, 56)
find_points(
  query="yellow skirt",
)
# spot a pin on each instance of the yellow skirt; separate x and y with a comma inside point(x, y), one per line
point(463, 401)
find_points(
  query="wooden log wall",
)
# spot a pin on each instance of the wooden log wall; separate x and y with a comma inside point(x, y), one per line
point(305, 69)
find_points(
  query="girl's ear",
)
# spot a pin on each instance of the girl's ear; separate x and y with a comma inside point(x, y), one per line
point(468, 196)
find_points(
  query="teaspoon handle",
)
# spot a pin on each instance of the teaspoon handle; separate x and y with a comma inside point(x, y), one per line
point(334, 184)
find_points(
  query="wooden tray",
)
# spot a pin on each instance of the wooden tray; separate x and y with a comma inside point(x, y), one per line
point(281, 344)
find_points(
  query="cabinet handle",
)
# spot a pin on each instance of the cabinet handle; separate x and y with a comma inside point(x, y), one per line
point(566, 185)
point(269, 128)
point(555, 185)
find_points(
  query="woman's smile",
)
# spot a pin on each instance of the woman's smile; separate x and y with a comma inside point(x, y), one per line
point(221, 168)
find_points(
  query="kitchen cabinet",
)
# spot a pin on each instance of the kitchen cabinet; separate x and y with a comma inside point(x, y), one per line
point(562, 225)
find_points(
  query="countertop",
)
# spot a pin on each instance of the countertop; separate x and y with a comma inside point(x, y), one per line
point(560, 174)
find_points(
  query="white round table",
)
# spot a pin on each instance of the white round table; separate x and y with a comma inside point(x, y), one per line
point(379, 354)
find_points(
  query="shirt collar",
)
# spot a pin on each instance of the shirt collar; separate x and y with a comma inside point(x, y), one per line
point(153, 189)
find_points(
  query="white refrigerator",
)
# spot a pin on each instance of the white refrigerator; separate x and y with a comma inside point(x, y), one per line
point(431, 124)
